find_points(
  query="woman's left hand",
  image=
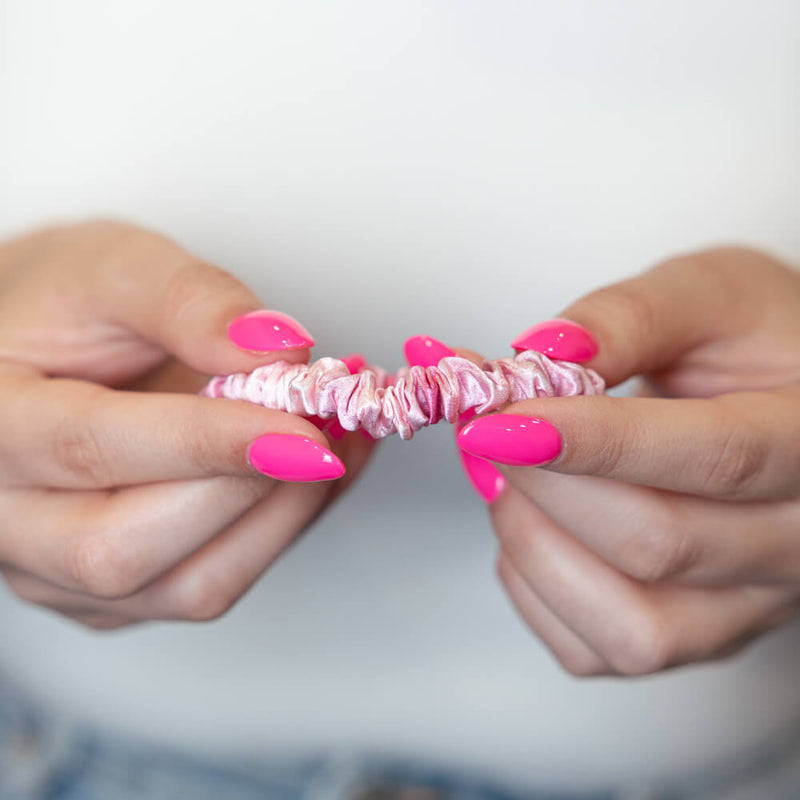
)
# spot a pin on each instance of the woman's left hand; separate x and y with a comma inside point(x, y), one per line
point(639, 534)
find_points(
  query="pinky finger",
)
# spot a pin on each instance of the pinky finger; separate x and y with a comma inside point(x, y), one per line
point(72, 605)
point(571, 651)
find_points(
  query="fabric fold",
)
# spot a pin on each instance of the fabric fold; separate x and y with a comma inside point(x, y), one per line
point(383, 404)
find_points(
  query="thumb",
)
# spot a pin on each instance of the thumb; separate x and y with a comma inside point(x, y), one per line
point(646, 324)
point(200, 314)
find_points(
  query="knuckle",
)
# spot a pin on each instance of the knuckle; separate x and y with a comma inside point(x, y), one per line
point(196, 596)
point(642, 646)
point(99, 567)
point(78, 453)
point(194, 284)
point(638, 306)
point(610, 452)
point(657, 551)
point(626, 306)
point(735, 462)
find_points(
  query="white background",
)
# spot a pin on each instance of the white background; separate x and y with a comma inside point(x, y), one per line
point(380, 170)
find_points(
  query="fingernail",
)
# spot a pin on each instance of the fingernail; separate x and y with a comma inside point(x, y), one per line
point(511, 439)
point(318, 422)
point(425, 351)
point(558, 338)
point(486, 479)
point(335, 430)
point(293, 458)
point(463, 418)
point(355, 363)
point(268, 330)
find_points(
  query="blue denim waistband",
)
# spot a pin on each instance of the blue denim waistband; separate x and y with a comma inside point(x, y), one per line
point(42, 758)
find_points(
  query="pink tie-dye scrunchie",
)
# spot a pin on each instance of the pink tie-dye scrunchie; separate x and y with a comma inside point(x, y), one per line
point(382, 403)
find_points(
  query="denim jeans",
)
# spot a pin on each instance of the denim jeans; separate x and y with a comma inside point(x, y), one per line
point(42, 758)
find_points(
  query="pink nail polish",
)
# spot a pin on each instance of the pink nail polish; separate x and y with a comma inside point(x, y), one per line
point(293, 458)
point(463, 418)
point(425, 351)
point(268, 330)
point(335, 430)
point(558, 338)
point(355, 363)
point(486, 479)
point(318, 422)
point(511, 439)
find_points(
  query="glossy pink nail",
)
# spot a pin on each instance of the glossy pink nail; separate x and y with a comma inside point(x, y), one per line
point(559, 338)
point(335, 430)
point(318, 422)
point(511, 439)
point(294, 458)
point(425, 351)
point(268, 330)
point(486, 479)
point(355, 363)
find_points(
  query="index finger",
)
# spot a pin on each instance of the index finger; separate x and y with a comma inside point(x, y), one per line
point(71, 434)
point(739, 446)
point(648, 323)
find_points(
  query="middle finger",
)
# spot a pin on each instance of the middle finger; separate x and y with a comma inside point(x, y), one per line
point(654, 535)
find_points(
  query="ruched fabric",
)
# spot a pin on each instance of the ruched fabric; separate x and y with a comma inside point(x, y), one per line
point(382, 403)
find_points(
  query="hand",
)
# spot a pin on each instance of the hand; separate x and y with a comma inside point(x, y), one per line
point(659, 532)
point(124, 496)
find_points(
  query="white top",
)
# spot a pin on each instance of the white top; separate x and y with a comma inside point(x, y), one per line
point(502, 158)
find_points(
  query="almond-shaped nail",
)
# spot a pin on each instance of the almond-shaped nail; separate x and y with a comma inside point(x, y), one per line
point(268, 330)
point(355, 363)
point(511, 439)
point(559, 338)
point(484, 476)
point(287, 457)
point(318, 422)
point(425, 351)
point(336, 430)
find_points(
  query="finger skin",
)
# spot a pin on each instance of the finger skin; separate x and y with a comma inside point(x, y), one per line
point(108, 301)
point(742, 446)
point(203, 586)
point(638, 629)
point(112, 544)
point(571, 651)
point(180, 302)
point(105, 304)
point(69, 434)
point(656, 536)
point(650, 322)
point(177, 550)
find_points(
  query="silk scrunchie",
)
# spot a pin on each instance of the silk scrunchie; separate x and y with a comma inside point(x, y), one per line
point(382, 403)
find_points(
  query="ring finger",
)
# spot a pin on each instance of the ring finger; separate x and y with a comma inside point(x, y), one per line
point(638, 629)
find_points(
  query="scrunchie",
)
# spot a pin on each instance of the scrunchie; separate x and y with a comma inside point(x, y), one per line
point(382, 403)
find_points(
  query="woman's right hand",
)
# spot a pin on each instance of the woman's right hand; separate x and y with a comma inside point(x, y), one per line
point(124, 496)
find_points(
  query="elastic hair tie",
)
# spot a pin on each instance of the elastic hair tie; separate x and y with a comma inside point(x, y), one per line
point(382, 403)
